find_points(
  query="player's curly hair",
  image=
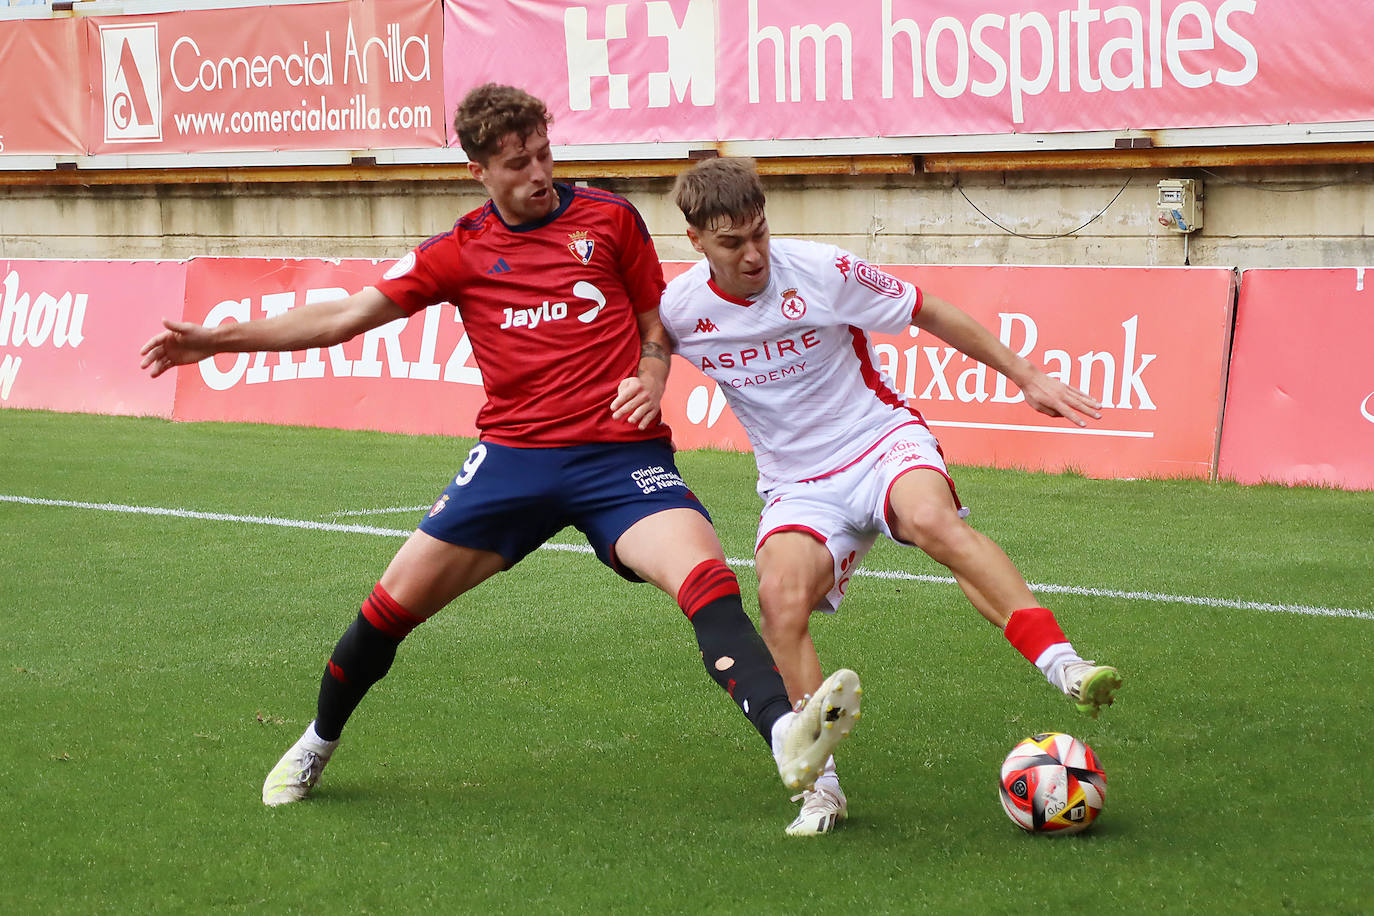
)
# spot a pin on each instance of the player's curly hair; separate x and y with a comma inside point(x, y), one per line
point(719, 191)
point(491, 111)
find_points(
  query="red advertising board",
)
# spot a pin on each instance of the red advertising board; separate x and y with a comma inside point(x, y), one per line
point(700, 71)
point(1300, 399)
point(361, 74)
point(1149, 343)
point(411, 376)
point(42, 70)
point(70, 332)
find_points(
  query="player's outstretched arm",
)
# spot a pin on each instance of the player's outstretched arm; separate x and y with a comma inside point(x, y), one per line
point(317, 324)
point(639, 398)
point(1047, 395)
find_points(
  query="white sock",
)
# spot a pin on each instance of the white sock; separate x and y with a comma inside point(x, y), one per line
point(829, 778)
point(312, 737)
point(1052, 661)
point(780, 728)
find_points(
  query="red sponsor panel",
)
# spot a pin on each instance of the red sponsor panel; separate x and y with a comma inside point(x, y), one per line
point(410, 376)
point(1149, 343)
point(46, 57)
point(70, 332)
point(352, 75)
point(1300, 399)
point(696, 70)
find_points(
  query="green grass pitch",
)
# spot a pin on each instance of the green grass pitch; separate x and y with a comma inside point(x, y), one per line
point(551, 744)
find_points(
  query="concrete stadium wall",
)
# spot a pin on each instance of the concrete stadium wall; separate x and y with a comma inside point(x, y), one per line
point(1300, 216)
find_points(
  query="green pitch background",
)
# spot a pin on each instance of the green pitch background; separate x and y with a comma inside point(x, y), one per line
point(551, 744)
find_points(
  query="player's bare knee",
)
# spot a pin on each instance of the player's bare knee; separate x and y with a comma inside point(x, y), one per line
point(784, 609)
point(780, 595)
point(934, 529)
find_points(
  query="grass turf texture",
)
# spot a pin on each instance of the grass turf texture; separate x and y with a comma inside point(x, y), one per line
point(552, 744)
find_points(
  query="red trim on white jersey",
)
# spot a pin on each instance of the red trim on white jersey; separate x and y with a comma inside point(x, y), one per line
point(733, 300)
point(860, 457)
point(873, 379)
point(887, 497)
point(803, 529)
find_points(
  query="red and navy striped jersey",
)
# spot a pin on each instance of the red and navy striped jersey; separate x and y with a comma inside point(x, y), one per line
point(550, 309)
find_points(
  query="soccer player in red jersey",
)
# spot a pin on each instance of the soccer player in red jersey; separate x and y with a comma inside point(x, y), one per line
point(558, 289)
point(782, 325)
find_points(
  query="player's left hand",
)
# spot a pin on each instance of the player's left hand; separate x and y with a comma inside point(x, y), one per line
point(637, 401)
point(1053, 398)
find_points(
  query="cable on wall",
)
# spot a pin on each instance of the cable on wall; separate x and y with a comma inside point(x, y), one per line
point(958, 186)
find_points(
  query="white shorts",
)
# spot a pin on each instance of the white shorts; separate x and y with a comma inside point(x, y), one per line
point(847, 510)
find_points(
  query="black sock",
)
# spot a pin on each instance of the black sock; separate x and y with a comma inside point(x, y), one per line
point(362, 657)
point(737, 659)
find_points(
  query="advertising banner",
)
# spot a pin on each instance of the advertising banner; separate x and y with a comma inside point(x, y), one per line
point(42, 70)
point(707, 70)
point(1149, 343)
point(362, 74)
point(410, 376)
point(1300, 400)
point(70, 332)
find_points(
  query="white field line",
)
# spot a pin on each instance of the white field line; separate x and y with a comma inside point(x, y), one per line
point(1155, 597)
point(393, 510)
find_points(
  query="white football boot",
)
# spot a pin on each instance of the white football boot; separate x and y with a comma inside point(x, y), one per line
point(823, 807)
point(819, 723)
point(298, 770)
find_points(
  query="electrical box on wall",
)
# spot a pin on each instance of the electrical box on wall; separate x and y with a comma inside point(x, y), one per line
point(1180, 204)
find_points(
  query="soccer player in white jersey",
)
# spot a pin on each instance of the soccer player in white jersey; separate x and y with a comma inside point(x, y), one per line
point(782, 326)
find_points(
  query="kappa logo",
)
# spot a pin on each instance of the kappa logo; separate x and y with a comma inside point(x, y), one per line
point(705, 326)
point(793, 305)
point(132, 86)
point(842, 265)
point(582, 246)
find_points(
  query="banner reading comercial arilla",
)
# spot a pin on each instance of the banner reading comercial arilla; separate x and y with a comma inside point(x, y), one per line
point(707, 70)
point(363, 74)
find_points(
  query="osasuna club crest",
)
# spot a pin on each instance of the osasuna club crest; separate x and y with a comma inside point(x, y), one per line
point(793, 305)
point(582, 246)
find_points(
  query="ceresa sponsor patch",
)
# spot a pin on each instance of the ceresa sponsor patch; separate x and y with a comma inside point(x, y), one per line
point(401, 267)
point(882, 283)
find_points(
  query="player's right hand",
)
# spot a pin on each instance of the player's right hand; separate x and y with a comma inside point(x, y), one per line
point(180, 343)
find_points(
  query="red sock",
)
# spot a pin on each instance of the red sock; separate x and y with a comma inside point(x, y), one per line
point(1032, 630)
point(710, 581)
point(386, 614)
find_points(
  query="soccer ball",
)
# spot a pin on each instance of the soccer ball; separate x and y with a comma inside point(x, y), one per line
point(1052, 783)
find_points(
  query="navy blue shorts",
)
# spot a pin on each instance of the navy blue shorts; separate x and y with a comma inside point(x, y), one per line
point(511, 500)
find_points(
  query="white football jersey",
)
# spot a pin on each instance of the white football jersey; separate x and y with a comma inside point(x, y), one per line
point(795, 362)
